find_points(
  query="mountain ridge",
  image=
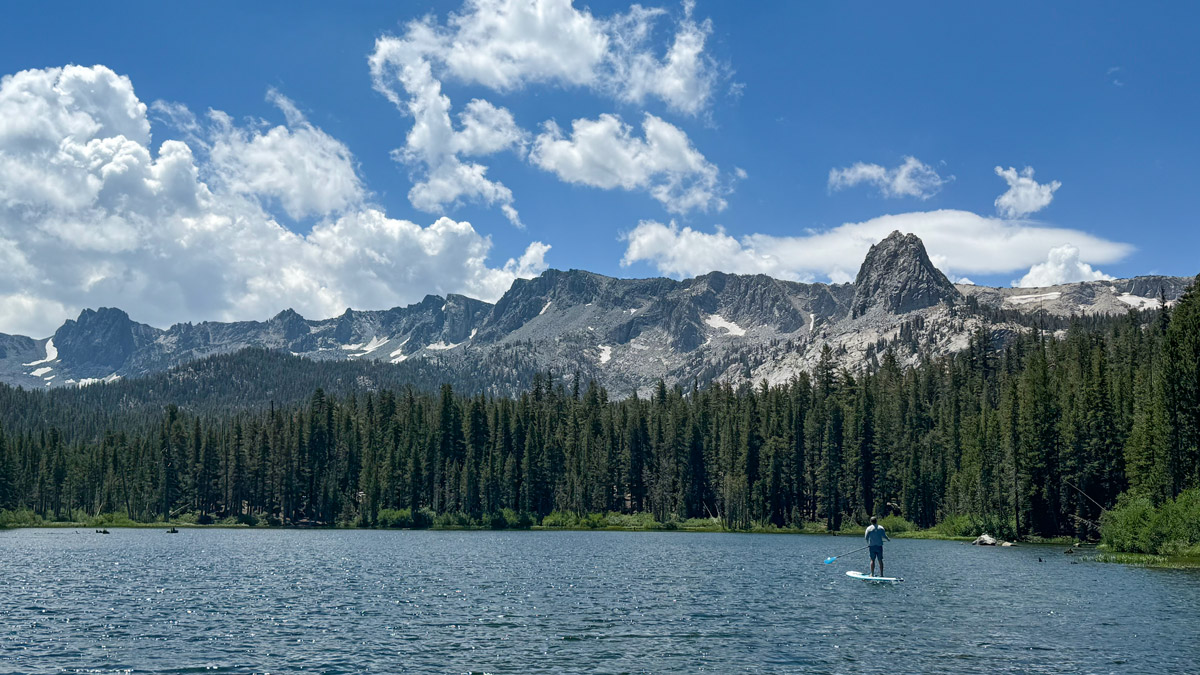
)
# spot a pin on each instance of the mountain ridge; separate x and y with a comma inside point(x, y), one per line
point(625, 333)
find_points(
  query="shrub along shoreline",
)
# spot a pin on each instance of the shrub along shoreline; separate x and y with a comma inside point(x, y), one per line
point(958, 529)
point(1138, 532)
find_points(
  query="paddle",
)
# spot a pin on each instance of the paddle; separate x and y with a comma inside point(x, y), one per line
point(829, 560)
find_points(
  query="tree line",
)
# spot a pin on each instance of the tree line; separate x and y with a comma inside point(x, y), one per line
point(1034, 437)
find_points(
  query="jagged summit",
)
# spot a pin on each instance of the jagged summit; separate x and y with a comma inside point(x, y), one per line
point(897, 277)
point(101, 341)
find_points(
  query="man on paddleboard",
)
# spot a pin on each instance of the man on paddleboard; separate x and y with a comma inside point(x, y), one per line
point(875, 537)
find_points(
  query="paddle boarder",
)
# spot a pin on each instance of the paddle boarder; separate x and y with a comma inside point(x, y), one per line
point(875, 537)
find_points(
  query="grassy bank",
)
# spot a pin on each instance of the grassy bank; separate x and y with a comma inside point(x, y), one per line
point(506, 520)
point(426, 519)
point(27, 518)
point(1186, 561)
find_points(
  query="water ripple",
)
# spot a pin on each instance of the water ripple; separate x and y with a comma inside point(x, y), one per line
point(240, 601)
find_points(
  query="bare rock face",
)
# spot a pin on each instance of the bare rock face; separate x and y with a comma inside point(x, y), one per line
point(897, 277)
point(101, 341)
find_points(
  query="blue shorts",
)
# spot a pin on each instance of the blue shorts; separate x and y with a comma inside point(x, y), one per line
point(877, 553)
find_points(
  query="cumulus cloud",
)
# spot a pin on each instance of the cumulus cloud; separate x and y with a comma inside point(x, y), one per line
point(1024, 195)
point(506, 45)
point(684, 252)
point(91, 214)
point(1062, 266)
point(434, 149)
point(913, 178)
point(604, 153)
point(684, 78)
point(958, 242)
point(304, 169)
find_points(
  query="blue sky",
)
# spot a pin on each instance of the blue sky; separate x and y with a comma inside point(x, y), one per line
point(1098, 99)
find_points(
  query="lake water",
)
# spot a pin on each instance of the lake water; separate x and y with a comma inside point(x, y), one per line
point(280, 601)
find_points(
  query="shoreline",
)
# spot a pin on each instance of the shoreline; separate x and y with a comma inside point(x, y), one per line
point(1100, 554)
point(714, 528)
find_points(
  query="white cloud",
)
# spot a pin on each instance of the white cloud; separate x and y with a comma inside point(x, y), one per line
point(507, 44)
point(305, 169)
point(958, 242)
point(913, 178)
point(686, 252)
point(434, 149)
point(1062, 266)
point(91, 215)
point(684, 78)
point(1024, 195)
point(604, 153)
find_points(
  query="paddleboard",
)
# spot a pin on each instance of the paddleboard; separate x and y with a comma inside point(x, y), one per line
point(879, 580)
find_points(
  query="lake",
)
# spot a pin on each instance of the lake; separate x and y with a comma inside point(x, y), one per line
point(353, 601)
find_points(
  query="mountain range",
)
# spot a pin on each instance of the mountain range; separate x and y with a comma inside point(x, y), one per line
point(624, 333)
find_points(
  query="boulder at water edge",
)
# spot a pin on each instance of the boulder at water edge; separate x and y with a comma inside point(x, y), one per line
point(984, 540)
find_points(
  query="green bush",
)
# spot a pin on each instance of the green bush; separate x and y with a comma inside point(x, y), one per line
point(700, 524)
point(452, 521)
point(964, 525)
point(111, 520)
point(560, 519)
point(957, 526)
point(20, 518)
point(517, 521)
point(423, 518)
point(596, 521)
point(1123, 527)
point(635, 521)
point(1134, 525)
point(897, 524)
point(394, 518)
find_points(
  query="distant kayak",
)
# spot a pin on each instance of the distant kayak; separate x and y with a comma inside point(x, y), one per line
point(879, 580)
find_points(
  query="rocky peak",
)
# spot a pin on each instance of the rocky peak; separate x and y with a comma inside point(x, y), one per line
point(897, 277)
point(288, 325)
point(100, 341)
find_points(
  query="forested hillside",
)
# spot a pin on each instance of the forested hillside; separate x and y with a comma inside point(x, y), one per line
point(1024, 440)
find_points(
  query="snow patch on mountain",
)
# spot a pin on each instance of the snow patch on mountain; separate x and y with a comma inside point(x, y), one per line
point(375, 343)
point(1037, 297)
point(51, 354)
point(718, 321)
point(605, 353)
point(400, 349)
point(1138, 301)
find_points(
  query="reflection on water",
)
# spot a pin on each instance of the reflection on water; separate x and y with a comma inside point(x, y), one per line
point(216, 600)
